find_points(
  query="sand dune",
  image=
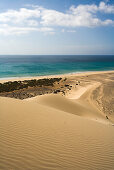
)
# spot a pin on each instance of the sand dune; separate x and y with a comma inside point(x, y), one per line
point(34, 136)
point(75, 107)
point(55, 132)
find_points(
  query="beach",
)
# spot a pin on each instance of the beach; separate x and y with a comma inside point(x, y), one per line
point(66, 125)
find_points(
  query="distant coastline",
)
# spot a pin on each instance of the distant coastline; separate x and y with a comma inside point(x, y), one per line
point(35, 66)
point(86, 73)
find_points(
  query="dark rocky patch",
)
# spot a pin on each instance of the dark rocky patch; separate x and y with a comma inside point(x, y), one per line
point(28, 88)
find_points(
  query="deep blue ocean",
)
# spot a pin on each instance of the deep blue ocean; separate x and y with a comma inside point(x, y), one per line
point(36, 65)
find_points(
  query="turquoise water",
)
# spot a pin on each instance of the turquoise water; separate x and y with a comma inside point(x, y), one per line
point(26, 66)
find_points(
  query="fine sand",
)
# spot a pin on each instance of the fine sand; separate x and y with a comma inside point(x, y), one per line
point(74, 131)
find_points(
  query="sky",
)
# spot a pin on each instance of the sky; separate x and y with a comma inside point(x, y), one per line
point(56, 27)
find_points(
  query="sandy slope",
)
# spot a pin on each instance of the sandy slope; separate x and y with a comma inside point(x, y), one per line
point(55, 132)
point(77, 107)
point(34, 136)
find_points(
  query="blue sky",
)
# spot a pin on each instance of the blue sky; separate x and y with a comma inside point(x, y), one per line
point(56, 27)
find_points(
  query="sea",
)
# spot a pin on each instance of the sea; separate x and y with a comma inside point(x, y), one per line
point(41, 65)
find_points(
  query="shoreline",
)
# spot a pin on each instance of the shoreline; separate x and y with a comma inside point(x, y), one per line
point(86, 73)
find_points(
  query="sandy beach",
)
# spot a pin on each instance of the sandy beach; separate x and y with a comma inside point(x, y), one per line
point(69, 126)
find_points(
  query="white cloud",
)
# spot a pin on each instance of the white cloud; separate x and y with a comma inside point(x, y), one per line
point(82, 15)
point(32, 22)
point(83, 8)
point(11, 30)
point(21, 16)
point(23, 13)
point(103, 7)
point(41, 19)
point(73, 19)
